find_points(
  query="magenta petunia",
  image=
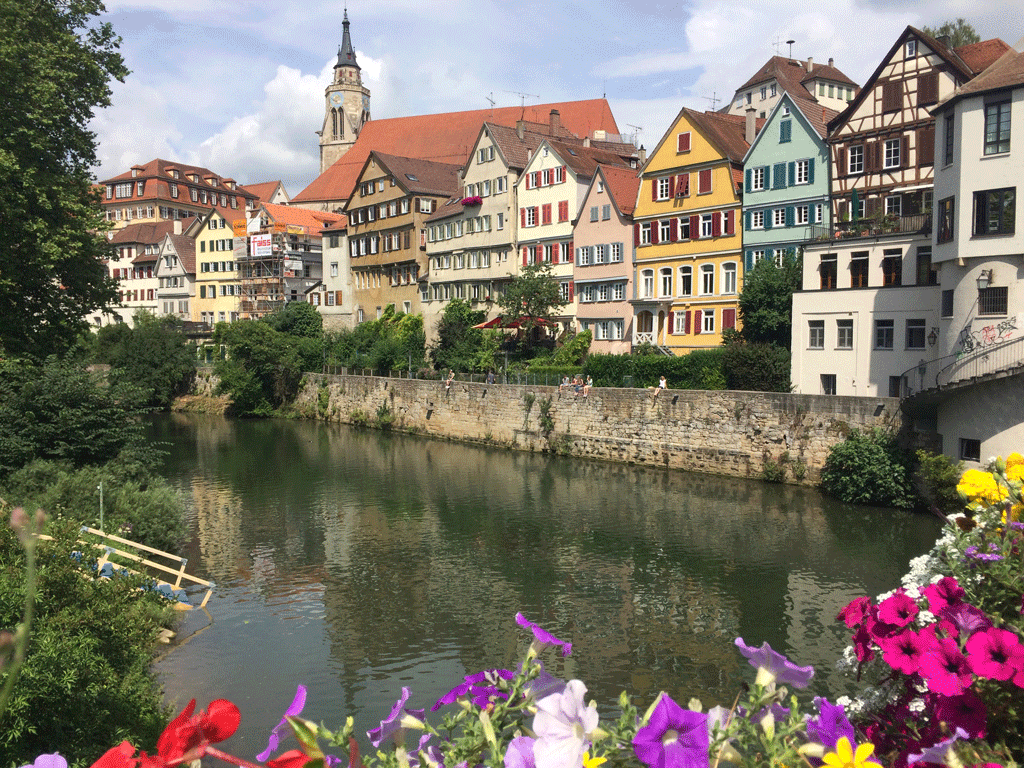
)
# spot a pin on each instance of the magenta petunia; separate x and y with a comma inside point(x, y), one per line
point(673, 737)
point(945, 669)
point(945, 592)
point(898, 609)
point(855, 611)
point(542, 638)
point(863, 644)
point(996, 654)
point(965, 618)
point(965, 711)
point(903, 652)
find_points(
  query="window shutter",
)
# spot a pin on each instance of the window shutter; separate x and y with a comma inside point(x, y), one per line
point(654, 189)
point(748, 261)
point(568, 251)
point(927, 88)
point(730, 222)
point(636, 234)
point(674, 230)
point(716, 224)
point(791, 174)
point(749, 175)
point(685, 178)
point(538, 254)
point(683, 142)
point(810, 171)
point(337, 297)
point(767, 218)
point(704, 181)
point(696, 321)
point(564, 176)
point(747, 218)
point(728, 318)
point(572, 290)
point(671, 186)
point(841, 151)
point(926, 145)
point(904, 151)
point(789, 216)
point(522, 217)
point(694, 227)
point(891, 96)
point(671, 322)
point(844, 208)
point(655, 226)
point(526, 252)
point(779, 176)
point(871, 206)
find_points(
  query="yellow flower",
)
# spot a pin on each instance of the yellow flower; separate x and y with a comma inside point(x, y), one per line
point(592, 762)
point(978, 485)
point(1015, 467)
point(845, 757)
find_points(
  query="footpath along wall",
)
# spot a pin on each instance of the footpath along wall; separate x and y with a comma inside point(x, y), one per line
point(728, 433)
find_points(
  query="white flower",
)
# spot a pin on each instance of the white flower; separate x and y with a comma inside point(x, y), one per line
point(563, 725)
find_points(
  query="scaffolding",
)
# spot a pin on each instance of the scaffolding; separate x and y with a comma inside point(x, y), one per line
point(276, 263)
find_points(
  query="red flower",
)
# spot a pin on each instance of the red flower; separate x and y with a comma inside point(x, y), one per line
point(121, 756)
point(293, 758)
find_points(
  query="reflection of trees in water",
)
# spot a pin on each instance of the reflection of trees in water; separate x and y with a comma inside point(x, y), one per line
point(428, 547)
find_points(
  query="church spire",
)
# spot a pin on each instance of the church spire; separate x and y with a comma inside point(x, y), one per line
point(346, 54)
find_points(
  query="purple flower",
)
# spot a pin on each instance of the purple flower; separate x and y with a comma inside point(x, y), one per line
point(966, 618)
point(48, 761)
point(673, 737)
point(479, 688)
point(973, 553)
point(563, 725)
point(520, 753)
point(774, 667)
point(294, 710)
point(396, 723)
point(830, 725)
point(541, 637)
point(938, 753)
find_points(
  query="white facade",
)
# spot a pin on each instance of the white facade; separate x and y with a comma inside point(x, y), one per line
point(336, 299)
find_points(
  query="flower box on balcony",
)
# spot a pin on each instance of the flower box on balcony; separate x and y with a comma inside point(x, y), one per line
point(475, 200)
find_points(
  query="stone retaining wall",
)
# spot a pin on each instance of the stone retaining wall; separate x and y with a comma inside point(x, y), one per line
point(727, 433)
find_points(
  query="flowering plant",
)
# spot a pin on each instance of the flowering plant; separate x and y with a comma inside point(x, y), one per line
point(946, 648)
point(473, 200)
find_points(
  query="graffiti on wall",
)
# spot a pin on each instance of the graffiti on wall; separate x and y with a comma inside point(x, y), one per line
point(975, 339)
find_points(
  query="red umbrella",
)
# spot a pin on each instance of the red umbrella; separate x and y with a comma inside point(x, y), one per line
point(495, 323)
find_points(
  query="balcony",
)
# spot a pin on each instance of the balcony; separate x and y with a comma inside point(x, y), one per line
point(916, 224)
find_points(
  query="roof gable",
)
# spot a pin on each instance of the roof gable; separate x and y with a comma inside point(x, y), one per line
point(812, 117)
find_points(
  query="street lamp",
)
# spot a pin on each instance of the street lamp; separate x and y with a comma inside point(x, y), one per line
point(984, 279)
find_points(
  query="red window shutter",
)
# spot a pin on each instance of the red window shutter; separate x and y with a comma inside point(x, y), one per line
point(572, 290)
point(655, 226)
point(683, 185)
point(686, 322)
point(840, 151)
point(671, 322)
point(704, 181)
point(526, 252)
point(728, 318)
point(904, 151)
point(674, 232)
point(636, 234)
point(730, 222)
point(716, 224)
point(554, 252)
point(337, 298)
point(546, 215)
point(522, 217)
point(568, 252)
point(563, 210)
point(671, 186)
point(683, 142)
point(654, 189)
point(695, 227)
point(538, 252)
point(696, 321)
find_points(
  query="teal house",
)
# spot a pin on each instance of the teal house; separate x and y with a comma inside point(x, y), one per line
point(786, 181)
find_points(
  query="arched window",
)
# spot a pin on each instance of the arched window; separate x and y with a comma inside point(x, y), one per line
point(335, 124)
point(729, 277)
point(647, 283)
point(686, 281)
point(665, 281)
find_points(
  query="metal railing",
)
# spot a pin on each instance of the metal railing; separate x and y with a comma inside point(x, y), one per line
point(916, 224)
point(964, 366)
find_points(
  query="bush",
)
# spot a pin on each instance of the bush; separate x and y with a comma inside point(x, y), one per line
point(701, 369)
point(935, 479)
point(756, 367)
point(868, 468)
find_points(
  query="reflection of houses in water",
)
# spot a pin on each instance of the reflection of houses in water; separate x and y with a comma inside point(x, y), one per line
point(218, 512)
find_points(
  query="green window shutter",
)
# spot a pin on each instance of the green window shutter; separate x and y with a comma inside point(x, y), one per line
point(791, 174)
point(749, 173)
point(810, 171)
point(748, 261)
point(767, 218)
point(779, 176)
point(747, 225)
point(789, 216)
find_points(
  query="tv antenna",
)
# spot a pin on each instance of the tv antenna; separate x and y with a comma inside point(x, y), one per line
point(522, 96)
point(637, 130)
point(777, 44)
point(713, 98)
point(490, 98)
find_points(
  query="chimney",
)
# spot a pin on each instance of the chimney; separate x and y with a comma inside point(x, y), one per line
point(945, 40)
point(831, 61)
point(751, 125)
point(586, 141)
point(177, 226)
point(810, 64)
point(555, 120)
point(520, 129)
point(643, 155)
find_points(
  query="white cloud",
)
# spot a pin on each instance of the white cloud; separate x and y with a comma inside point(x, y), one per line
point(136, 128)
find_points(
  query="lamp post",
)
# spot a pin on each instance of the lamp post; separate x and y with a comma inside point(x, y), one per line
point(984, 279)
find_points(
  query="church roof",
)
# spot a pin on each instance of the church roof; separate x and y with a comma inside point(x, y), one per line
point(346, 53)
point(445, 138)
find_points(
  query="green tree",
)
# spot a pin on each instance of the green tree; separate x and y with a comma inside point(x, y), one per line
point(533, 295)
point(458, 342)
point(959, 32)
point(298, 318)
point(868, 468)
point(766, 302)
point(153, 355)
point(57, 62)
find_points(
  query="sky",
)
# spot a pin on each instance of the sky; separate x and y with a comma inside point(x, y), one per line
point(237, 86)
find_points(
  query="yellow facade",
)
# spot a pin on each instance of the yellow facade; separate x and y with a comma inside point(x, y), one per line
point(218, 289)
point(688, 235)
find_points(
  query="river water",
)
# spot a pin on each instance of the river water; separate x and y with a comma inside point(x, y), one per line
point(357, 562)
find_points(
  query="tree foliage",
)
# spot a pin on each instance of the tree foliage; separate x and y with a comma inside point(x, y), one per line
point(766, 302)
point(393, 342)
point(153, 355)
point(298, 318)
point(533, 294)
point(868, 468)
point(959, 32)
point(57, 63)
point(757, 367)
point(458, 342)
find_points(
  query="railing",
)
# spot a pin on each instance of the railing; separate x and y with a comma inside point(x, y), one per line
point(643, 338)
point(964, 366)
point(916, 224)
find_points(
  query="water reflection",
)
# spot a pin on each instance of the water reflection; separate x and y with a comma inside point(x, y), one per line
point(357, 562)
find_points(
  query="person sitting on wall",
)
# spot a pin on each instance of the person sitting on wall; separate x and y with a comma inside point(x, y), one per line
point(587, 386)
point(662, 384)
point(564, 385)
point(449, 380)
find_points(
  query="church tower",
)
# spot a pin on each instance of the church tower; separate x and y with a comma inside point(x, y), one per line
point(347, 105)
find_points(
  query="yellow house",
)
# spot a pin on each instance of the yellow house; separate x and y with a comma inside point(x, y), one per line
point(688, 233)
point(217, 279)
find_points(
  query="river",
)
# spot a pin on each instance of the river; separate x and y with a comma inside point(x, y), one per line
point(356, 562)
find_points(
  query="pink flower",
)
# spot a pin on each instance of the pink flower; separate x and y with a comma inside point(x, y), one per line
point(965, 711)
point(945, 592)
point(898, 609)
point(903, 652)
point(855, 612)
point(995, 654)
point(945, 669)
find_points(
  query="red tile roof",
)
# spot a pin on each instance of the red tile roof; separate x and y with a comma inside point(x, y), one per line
point(145, 233)
point(727, 132)
point(584, 161)
point(422, 176)
point(792, 75)
point(185, 247)
point(980, 56)
point(817, 115)
point(265, 190)
point(314, 221)
point(1006, 72)
point(446, 138)
point(622, 185)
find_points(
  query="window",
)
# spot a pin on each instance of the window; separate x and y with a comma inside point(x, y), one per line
point(992, 301)
point(884, 334)
point(616, 253)
point(606, 212)
point(663, 190)
point(683, 142)
point(927, 274)
point(593, 213)
point(994, 211)
point(645, 233)
point(728, 278)
point(583, 256)
point(665, 281)
point(857, 159)
point(685, 282)
point(664, 230)
point(757, 179)
point(859, 269)
point(844, 334)
point(764, 92)
point(757, 219)
point(706, 224)
point(948, 139)
point(647, 284)
point(785, 131)
point(803, 173)
point(599, 254)
point(815, 334)
point(707, 279)
point(891, 158)
point(915, 334)
point(947, 303)
point(779, 217)
point(802, 214)
point(997, 127)
point(704, 182)
point(530, 216)
point(911, 49)
point(708, 321)
point(945, 227)
point(894, 205)
point(896, 386)
point(618, 291)
point(828, 383)
point(892, 267)
point(501, 221)
point(970, 450)
point(499, 185)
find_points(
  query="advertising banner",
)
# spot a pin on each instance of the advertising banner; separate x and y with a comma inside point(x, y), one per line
point(260, 245)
